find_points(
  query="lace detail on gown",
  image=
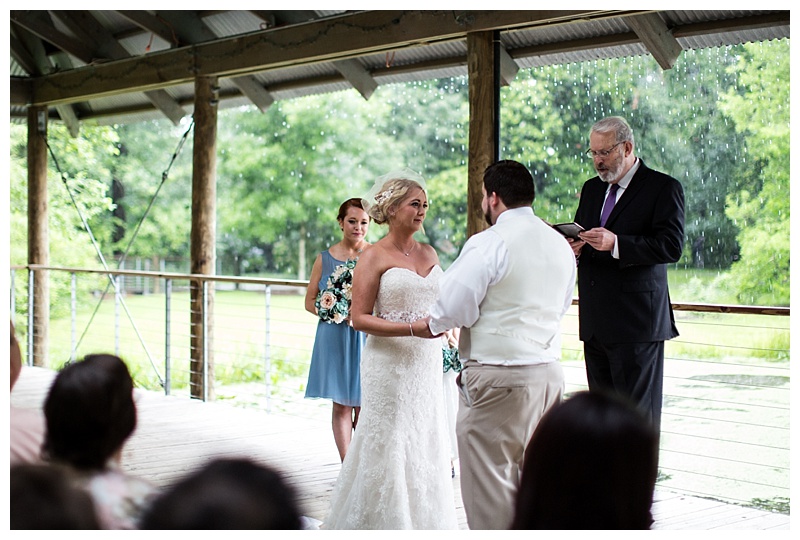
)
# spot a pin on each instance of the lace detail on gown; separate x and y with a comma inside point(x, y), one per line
point(396, 474)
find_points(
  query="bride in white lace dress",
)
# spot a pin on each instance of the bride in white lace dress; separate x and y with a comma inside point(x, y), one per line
point(396, 474)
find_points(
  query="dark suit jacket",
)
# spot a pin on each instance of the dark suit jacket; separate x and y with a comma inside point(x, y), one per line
point(626, 300)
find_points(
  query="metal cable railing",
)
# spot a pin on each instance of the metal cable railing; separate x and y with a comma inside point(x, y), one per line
point(725, 425)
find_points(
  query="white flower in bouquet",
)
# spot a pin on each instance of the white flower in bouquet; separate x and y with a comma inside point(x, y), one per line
point(333, 303)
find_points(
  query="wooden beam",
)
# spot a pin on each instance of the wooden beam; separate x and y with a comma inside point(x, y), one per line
point(628, 38)
point(250, 87)
point(32, 44)
point(288, 17)
point(89, 29)
point(656, 37)
point(68, 116)
point(203, 235)
point(508, 67)
point(482, 142)
point(357, 76)
point(267, 16)
point(153, 24)
point(733, 25)
point(169, 107)
point(192, 29)
point(22, 56)
point(93, 34)
point(39, 24)
point(42, 64)
point(20, 91)
point(187, 26)
point(324, 40)
point(38, 231)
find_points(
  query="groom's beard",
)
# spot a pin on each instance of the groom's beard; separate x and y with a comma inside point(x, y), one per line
point(488, 217)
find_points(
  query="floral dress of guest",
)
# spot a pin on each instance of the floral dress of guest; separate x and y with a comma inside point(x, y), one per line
point(335, 371)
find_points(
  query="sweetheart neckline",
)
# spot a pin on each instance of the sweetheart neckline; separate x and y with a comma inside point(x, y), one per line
point(413, 271)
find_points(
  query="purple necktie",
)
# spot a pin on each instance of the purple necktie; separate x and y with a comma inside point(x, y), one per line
point(610, 200)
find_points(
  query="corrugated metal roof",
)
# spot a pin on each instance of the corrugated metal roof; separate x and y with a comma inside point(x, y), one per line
point(534, 46)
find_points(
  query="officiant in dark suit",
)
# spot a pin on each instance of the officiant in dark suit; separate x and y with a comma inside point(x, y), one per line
point(634, 219)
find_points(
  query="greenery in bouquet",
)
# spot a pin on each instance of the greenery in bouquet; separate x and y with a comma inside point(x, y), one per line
point(333, 302)
point(450, 359)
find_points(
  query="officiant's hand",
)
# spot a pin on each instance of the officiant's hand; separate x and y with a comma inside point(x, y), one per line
point(599, 238)
point(421, 329)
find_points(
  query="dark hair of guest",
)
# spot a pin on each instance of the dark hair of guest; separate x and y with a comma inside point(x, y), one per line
point(89, 412)
point(591, 464)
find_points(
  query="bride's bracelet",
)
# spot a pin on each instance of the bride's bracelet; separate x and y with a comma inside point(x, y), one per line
point(410, 329)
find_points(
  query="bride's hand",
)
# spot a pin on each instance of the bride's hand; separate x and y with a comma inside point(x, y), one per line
point(421, 329)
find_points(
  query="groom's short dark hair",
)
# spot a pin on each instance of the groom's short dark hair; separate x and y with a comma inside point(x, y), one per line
point(511, 181)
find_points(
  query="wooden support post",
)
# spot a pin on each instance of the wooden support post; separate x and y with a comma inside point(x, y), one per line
point(203, 236)
point(483, 136)
point(38, 231)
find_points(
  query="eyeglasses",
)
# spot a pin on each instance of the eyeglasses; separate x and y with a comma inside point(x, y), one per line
point(602, 153)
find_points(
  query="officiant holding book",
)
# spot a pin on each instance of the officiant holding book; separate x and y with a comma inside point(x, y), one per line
point(634, 219)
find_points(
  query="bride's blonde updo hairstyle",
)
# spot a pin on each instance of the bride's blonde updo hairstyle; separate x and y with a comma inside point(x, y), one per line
point(388, 191)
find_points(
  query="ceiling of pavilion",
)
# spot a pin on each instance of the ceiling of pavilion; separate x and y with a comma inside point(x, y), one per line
point(130, 66)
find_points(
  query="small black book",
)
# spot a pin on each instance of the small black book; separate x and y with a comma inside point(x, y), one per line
point(570, 230)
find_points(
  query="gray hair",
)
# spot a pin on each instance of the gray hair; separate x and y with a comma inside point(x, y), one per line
point(616, 125)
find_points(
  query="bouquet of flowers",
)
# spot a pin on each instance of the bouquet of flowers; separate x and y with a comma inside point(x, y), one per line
point(450, 359)
point(333, 302)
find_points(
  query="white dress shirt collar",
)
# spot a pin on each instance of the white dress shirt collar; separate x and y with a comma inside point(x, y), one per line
point(511, 212)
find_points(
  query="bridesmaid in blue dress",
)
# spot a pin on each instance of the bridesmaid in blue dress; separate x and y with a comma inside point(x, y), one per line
point(335, 371)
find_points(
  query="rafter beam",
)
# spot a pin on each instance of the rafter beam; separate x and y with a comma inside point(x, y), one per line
point(187, 26)
point(67, 115)
point(153, 24)
point(267, 16)
point(90, 31)
point(40, 63)
point(39, 24)
point(357, 76)
point(250, 87)
point(656, 37)
point(170, 108)
point(330, 39)
point(508, 67)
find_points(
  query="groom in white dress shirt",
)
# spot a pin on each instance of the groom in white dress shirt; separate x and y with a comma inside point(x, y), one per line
point(508, 291)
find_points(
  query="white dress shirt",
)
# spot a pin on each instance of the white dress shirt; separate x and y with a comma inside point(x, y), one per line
point(483, 262)
point(623, 185)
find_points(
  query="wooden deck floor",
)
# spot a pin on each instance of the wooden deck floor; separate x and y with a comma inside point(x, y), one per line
point(176, 435)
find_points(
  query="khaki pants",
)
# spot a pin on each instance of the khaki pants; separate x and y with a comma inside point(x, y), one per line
point(499, 408)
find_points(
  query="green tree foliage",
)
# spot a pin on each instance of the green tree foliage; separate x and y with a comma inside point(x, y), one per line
point(691, 139)
point(285, 173)
point(761, 207)
point(83, 170)
point(154, 171)
point(717, 121)
point(427, 126)
point(446, 222)
point(548, 111)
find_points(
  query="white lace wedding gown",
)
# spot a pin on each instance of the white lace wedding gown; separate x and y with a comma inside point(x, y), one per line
point(396, 474)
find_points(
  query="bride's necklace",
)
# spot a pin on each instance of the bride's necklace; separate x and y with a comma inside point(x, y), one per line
point(401, 249)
